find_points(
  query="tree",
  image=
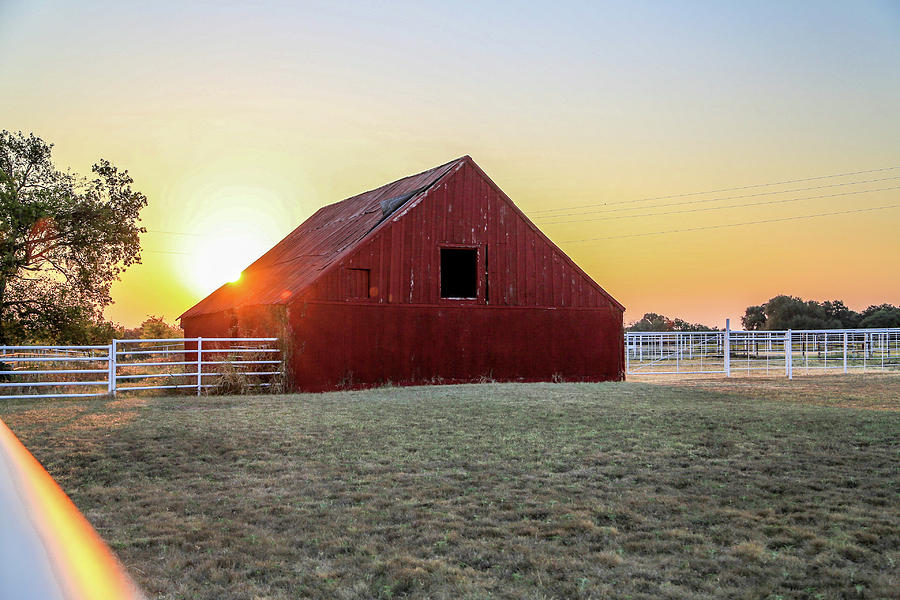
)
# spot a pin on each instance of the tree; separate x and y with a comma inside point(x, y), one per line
point(836, 310)
point(655, 322)
point(650, 322)
point(156, 328)
point(881, 316)
point(754, 318)
point(63, 240)
point(65, 327)
point(788, 312)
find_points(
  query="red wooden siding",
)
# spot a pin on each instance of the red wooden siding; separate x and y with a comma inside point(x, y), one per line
point(464, 209)
point(339, 344)
point(365, 307)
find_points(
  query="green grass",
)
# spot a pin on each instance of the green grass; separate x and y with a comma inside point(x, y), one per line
point(745, 488)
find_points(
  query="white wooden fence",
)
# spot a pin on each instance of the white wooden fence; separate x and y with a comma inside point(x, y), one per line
point(199, 364)
point(762, 352)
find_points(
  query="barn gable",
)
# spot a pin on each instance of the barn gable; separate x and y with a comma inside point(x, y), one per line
point(518, 265)
point(379, 246)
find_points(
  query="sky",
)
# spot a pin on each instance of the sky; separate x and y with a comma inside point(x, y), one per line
point(238, 120)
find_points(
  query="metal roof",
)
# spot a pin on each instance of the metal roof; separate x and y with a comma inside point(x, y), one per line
point(297, 260)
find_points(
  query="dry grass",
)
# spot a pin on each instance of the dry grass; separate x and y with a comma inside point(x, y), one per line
point(710, 488)
point(878, 391)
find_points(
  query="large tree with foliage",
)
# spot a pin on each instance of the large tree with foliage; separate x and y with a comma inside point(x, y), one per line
point(884, 315)
point(63, 240)
point(789, 312)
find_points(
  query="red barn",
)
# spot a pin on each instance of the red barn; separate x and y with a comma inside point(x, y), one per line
point(436, 277)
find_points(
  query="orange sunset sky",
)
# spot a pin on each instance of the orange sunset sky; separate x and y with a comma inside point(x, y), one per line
point(238, 120)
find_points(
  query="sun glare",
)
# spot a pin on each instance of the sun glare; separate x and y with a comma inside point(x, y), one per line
point(218, 260)
point(227, 240)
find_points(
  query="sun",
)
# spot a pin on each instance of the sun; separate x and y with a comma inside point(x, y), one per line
point(229, 226)
point(223, 244)
point(218, 260)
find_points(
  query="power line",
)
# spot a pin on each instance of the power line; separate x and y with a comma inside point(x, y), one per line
point(708, 208)
point(731, 189)
point(796, 218)
point(706, 200)
point(683, 211)
point(174, 232)
point(170, 233)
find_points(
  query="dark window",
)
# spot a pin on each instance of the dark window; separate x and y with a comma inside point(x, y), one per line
point(459, 273)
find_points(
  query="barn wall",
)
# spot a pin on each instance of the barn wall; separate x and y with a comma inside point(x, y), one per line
point(403, 258)
point(376, 315)
point(211, 325)
point(338, 344)
point(250, 321)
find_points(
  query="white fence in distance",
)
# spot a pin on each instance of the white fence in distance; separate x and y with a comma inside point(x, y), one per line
point(762, 352)
point(137, 365)
point(199, 364)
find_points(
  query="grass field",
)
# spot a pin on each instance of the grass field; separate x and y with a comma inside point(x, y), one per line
point(745, 488)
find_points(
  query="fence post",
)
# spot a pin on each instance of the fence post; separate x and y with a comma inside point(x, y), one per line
point(789, 354)
point(677, 352)
point(865, 349)
point(199, 365)
point(111, 369)
point(845, 352)
point(628, 343)
point(727, 347)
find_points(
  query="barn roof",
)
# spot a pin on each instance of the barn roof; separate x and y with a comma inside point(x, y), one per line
point(297, 260)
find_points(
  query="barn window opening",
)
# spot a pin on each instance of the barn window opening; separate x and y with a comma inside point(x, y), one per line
point(459, 272)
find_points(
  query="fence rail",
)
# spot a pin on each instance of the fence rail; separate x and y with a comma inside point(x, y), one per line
point(199, 364)
point(762, 352)
point(203, 364)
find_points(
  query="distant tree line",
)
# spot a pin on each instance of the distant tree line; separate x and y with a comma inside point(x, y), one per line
point(655, 322)
point(91, 330)
point(789, 312)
